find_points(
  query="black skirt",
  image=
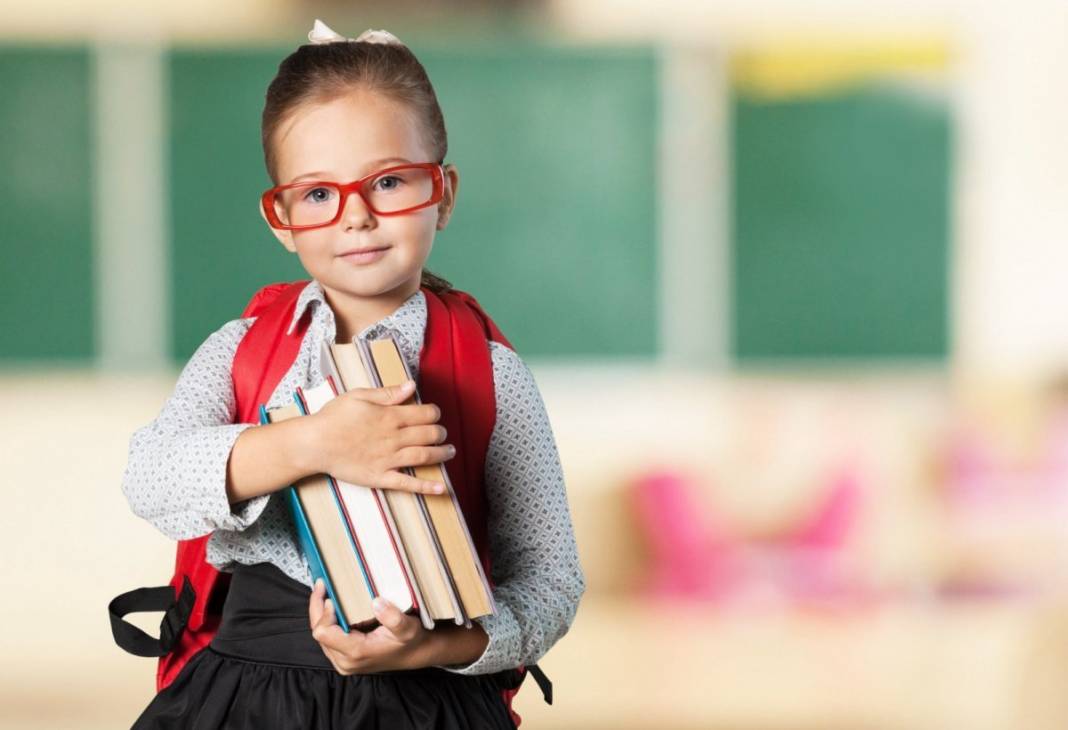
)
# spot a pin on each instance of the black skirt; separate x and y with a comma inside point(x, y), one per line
point(264, 670)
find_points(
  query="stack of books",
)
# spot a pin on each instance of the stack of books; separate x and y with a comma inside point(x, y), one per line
point(413, 549)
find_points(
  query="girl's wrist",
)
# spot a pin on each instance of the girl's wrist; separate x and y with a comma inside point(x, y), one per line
point(425, 652)
point(306, 444)
point(450, 645)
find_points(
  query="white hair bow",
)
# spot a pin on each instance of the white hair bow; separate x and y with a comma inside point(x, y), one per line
point(321, 33)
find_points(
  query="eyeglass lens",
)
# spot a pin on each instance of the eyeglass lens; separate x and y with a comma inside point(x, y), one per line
point(317, 202)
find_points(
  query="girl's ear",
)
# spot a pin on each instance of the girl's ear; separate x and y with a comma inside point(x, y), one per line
point(284, 237)
point(448, 199)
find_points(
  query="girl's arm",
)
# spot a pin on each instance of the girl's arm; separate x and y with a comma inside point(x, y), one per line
point(192, 470)
point(268, 458)
point(536, 569)
point(176, 472)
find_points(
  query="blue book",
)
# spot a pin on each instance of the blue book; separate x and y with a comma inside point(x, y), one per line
point(347, 585)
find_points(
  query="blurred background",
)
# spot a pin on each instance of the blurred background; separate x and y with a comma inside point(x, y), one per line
point(790, 276)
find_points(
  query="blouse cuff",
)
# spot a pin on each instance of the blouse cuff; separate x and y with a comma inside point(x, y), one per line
point(219, 442)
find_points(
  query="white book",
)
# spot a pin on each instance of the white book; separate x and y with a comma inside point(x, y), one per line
point(370, 525)
point(444, 595)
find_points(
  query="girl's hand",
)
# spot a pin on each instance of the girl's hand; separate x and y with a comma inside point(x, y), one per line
point(401, 642)
point(366, 435)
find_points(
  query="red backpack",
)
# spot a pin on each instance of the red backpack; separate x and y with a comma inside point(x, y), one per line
point(455, 372)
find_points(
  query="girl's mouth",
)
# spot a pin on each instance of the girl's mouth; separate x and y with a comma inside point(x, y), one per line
point(364, 255)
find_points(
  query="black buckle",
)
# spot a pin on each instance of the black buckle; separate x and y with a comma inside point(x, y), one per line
point(176, 618)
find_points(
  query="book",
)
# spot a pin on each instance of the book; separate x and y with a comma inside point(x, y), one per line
point(414, 531)
point(369, 524)
point(324, 538)
point(413, 549)
point(385, 365)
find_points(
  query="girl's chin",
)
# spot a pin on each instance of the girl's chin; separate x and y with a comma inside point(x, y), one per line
point(370, 284)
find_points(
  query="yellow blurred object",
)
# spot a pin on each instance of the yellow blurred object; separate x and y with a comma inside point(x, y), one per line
point(798, 68)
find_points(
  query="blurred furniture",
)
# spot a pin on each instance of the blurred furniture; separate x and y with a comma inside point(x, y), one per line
point(758, 445)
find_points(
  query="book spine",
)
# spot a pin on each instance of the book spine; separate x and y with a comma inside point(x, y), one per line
point(340, 505)
point(307, 543)
point(311, 552)
point(331, 371)
point(354, 540)
point(371, 366)
point(402, 557)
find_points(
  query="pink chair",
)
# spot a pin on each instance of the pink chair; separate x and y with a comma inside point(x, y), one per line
point(817, 557)
point(693, 555)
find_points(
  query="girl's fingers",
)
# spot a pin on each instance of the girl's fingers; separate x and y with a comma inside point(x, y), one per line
point(385, 396)
point(407, 483)
point(315, 603)
point(417, 414)
point(419, 455)
point(334, 640)
point(337, 660)
point(422, 435)
point(326, 630)
point(400, 393)
point(393, 619)
point(329, 617)
point(321, 614)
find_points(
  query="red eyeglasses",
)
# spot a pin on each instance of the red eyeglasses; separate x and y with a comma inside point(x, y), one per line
point(391, 191)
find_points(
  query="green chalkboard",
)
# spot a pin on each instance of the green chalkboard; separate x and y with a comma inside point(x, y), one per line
point(554, 229)
point(221, 250)
point(841, 228)
point(46, 271)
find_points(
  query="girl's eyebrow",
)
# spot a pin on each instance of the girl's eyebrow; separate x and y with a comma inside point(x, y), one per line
point(370, 166)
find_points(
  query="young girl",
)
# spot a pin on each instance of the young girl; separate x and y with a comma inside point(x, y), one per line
point(343, 110)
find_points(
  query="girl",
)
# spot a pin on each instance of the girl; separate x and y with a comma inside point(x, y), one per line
point(344, 110)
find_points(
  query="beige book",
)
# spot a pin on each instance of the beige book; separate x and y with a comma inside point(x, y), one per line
point(404, 514)
point(453, 538)
point(342, 565)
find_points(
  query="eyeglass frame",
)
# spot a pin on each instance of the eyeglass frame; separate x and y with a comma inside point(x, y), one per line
point(267, 199)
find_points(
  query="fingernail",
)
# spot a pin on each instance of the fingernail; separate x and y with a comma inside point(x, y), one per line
point(439, 488)
point(452, 449)
point(318, 583)
point(378, 604)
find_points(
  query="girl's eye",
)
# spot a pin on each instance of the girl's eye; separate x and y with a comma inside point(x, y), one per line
point(386, 183)
point(318, 195)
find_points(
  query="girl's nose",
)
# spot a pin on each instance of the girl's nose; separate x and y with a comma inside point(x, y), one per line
point(356, 213)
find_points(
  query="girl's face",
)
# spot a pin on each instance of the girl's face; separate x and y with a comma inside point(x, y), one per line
point(342, 140)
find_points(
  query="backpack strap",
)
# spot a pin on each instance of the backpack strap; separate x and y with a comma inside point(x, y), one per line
point(457, 338)
point(455, 342)
point(267, 350)
point(176, 614)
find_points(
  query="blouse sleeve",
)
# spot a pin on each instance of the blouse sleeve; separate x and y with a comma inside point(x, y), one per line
point(536, 571)
point(175, 475)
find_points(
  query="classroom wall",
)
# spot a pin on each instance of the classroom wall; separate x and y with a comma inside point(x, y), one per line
point(729, 197)
point(553, 229)
point(837, 244)
point(47, 269)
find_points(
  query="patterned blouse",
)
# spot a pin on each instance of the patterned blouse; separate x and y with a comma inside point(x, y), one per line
point(176, 479)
